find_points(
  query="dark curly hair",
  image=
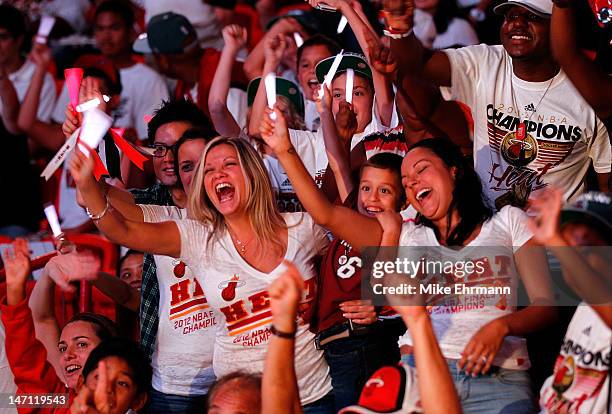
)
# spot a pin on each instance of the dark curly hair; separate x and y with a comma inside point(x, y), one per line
point(468, 198)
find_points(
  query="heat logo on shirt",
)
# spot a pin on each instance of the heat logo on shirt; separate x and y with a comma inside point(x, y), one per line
point(186, 297)
point(228, 288)
point(245, 315)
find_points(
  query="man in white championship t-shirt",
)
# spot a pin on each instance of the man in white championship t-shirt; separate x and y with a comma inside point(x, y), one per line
point(532, 128)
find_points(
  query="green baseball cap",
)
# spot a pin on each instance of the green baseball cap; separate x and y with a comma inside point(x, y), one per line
point(167, 33)
point(353, 61)
point(284, 88)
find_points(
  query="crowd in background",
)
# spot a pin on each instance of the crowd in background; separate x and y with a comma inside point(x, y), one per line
point(213, 246)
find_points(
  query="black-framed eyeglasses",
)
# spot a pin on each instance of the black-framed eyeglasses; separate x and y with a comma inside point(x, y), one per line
point(160, 150)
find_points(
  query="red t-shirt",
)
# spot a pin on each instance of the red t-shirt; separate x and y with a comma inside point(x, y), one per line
point(339, 281)
point(27, 357)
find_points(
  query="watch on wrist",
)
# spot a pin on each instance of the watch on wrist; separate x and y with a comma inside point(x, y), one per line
point(281, 334)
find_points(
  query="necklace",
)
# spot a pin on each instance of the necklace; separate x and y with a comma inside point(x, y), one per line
point(241, 246)
point(521, 129)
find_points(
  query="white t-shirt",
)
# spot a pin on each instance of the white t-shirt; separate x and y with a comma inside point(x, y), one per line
point(562, 136)
point(286, 199)
point(312, 119)
point(142, 92)
point(21, 79)
point(580, 382)
point(183, 354)
point(459, 32)
point(310, 146)
point(238, 294)
point(461, 316)
point(71, 214)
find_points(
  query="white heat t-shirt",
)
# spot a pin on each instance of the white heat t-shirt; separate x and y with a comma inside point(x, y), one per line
point(238, 294)
point(456, 318)
point(183, 354)
point(286, 199)
point(580, 383)
point(563, 134)
point(142, 92)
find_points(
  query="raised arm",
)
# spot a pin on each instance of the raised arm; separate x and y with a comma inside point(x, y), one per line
point(586, 272)
point(156, 238)
point(362, 230)
point(593, 83)
point(235, 38)
point(45, 134)
point(338, 148)
point(412, 57)
point(436, 388)
point(367, 38)
point(253, 65)
point(10, 103)
point(279, 389)
point(274, 49)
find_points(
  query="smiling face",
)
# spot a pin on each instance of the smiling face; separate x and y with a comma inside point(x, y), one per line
point(131, 270)
point(224, 180)
point(363, 98)
point(428, 182)
point(189, 155)
point(306, 69)
point(525, 34)
point(111, 34)
point(121, 383)
point(77, 340)
point(167, 135)
point(379, 190)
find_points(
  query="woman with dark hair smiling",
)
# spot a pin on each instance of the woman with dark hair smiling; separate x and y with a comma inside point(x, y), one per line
point(482, 340)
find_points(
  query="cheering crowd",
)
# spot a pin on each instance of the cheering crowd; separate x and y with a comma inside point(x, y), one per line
point(243, 162)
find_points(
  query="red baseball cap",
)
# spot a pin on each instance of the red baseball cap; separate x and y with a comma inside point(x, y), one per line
point(391, 390)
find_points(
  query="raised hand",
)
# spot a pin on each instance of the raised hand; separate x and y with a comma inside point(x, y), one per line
point(90, 89)
point(545, 226)
point(274, 47)
point(16, 260)
point(380, 56)
point(346, 122)
point(81, 168)
point(285, 294)
point(399, 15)
point(72, 121)
point(325, 102)
point(66, 268)
point(274, 132)
point(234, 36)
point(41, 55)
point(390, 221)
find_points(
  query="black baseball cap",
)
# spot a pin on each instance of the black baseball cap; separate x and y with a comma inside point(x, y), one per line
point(167, 33)
point(594, 206)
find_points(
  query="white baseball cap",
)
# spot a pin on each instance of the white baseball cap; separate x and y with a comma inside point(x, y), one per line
point(542, 8)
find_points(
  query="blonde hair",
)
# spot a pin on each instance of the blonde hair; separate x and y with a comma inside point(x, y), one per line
point(261, 205)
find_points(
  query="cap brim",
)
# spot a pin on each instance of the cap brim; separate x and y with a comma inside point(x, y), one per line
point(142, 46)
point(358, 64)
point(570, 214)
point(502, 8)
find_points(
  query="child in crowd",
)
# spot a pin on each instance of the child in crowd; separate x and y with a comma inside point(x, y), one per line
point(115, 379)
point(27, 356)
